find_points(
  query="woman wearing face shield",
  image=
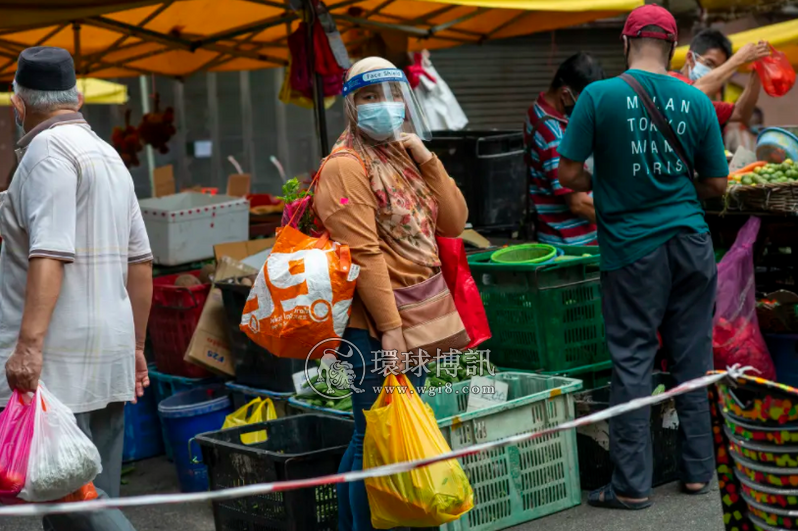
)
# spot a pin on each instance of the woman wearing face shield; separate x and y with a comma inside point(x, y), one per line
point(386, 196)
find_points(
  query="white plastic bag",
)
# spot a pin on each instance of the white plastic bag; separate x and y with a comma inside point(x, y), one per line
point(62, 458)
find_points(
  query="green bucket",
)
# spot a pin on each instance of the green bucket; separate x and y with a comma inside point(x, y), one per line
point(528, 253)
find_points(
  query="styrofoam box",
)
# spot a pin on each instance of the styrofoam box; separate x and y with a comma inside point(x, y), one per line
point(183, 228)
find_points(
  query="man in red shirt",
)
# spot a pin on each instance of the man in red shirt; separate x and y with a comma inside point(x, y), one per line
point(710, 64)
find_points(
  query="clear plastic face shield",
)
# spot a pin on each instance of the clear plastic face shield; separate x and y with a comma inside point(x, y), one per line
point(384, 107)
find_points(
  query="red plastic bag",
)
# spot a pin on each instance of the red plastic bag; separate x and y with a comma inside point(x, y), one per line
point(454, 266)
point(736, 338)
point(16, 434)
point(776, 73)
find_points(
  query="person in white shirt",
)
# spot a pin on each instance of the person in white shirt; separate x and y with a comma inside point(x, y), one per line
point(76, 268)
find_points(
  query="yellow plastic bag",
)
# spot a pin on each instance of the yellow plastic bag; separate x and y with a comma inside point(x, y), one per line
point(400, 427)
point(259, 410)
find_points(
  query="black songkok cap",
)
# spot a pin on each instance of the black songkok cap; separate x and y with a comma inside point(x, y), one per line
point(46, 68)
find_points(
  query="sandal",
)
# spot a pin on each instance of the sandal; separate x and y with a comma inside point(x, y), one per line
point(695, 492)
point(610, 500)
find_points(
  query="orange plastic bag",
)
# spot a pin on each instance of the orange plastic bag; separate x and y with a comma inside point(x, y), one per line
point(400, 427)
point(85, 493)
point(776, 73)
point(302, 296)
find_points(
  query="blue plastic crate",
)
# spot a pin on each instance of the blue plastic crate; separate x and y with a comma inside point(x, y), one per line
point(166, 385)
point(142, 429)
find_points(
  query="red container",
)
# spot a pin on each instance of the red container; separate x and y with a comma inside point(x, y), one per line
point(256, 200)
point(174, 316)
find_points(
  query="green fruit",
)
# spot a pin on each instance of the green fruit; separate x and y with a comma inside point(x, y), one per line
point(746, 180)
point(778, 174)
point(758, 170)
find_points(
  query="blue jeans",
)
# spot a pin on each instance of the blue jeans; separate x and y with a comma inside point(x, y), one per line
point(354, 513)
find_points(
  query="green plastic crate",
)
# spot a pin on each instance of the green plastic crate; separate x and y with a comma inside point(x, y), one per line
point(546, 317)
point(517, 483)
point(592, 376)
point(441, 407)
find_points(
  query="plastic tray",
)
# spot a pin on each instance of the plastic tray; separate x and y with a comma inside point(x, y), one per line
point(255, 366)
point(173, 318)
point(297, 447)
point(517, 483)
point(595, 465)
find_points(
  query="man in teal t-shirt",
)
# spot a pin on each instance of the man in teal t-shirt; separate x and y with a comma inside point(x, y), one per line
point(658, 267)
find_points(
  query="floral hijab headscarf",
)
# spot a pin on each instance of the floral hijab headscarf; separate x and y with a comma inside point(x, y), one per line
point(406, 207)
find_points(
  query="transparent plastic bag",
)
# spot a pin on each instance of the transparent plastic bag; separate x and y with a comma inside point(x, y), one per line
point(16, 434)
point(62, 458)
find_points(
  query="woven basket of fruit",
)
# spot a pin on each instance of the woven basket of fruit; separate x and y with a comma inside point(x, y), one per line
point(764, 187)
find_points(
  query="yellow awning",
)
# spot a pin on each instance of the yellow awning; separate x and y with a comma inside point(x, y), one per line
point(732, 92)
point(179, 38)
point(783, 36)
point(95, 91)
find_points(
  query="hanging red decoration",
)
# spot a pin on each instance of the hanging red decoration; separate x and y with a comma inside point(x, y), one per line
point(127, 143)
point(158, 127)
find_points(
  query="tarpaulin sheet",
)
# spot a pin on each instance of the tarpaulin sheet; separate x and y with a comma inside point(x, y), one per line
point(186, 36)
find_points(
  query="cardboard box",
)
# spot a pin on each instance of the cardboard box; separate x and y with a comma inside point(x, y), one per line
point(238, 184)
point(163, 181)
point(240, 250)
point(210, 346)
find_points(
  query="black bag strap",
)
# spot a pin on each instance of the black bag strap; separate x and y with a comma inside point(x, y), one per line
point(660, 121)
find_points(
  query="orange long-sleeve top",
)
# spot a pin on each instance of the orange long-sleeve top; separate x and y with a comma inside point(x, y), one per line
point(353, 222)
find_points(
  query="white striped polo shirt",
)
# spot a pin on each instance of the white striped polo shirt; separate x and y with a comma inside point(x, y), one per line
point(72, 199)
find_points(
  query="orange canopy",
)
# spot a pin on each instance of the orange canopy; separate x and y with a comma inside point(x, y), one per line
point(117, 38)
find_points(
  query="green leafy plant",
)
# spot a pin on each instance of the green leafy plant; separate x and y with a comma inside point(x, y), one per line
point(293, 194)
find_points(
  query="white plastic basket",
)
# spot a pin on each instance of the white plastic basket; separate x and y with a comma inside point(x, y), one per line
point(183, 228)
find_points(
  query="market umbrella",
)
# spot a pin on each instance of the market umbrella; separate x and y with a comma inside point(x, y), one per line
point(95, 91)
point(783, 36)
point(178, 38)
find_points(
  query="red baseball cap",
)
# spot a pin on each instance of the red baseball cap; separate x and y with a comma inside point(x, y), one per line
point(650, 15)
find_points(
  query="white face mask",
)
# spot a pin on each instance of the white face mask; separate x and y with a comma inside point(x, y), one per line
point(699, 69)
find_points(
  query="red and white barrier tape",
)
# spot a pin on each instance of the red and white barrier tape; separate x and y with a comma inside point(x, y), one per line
point(265, 488)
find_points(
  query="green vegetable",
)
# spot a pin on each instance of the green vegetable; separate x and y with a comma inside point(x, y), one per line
point(437, 382)
point(344, 405)
point(292, 191)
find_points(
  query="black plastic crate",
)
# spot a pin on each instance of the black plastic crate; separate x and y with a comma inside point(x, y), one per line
point(489, 168)
point(595, 465)
point(255, 366)
point(298, 447)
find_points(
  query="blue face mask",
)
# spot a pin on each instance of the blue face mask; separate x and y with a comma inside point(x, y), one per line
point(699, 70)
point(380, 121)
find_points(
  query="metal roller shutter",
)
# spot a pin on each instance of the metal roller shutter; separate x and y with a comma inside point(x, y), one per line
point(496, 82)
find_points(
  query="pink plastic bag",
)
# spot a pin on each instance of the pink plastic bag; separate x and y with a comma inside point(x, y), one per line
point(16, 434)
point(736, 338)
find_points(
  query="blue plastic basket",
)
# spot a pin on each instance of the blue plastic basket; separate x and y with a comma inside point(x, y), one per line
point(143, 438)
point(166, 385)
point(186, 415)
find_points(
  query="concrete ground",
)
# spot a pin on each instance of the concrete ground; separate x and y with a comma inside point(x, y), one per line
point(671, 510)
